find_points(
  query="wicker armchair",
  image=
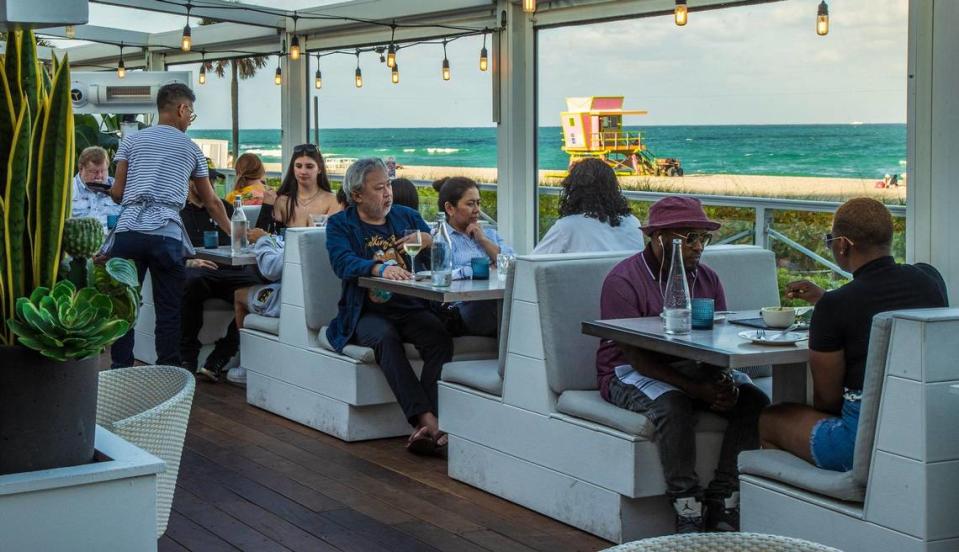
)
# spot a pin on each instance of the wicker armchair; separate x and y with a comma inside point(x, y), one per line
point(721, 542)
point(149, 406)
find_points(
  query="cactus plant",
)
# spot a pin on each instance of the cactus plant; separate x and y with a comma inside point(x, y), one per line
point(64, 323)
point(82, 238)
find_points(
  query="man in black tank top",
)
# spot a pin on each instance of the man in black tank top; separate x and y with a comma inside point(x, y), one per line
point(861, 238)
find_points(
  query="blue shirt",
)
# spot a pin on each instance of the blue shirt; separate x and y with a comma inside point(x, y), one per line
point(160, 162)
point(87, 203)
point(465, 248)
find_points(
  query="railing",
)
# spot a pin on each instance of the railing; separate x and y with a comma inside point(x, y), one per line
point(763, 208)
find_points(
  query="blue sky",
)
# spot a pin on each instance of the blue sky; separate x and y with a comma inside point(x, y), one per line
point(760, 64)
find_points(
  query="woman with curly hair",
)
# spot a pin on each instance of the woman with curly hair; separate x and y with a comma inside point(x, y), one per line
point(594, 214)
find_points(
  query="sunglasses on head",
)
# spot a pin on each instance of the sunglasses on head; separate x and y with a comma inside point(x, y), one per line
point(305, 148)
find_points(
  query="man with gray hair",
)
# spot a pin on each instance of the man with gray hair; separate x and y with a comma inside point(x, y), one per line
point(367, 240)
point(91, 187)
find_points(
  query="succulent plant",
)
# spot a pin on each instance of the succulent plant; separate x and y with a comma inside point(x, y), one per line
point(65, 324)
point(82, 238)
point(117, 279)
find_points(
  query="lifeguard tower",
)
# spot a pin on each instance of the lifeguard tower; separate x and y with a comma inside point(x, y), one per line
point(593, 127)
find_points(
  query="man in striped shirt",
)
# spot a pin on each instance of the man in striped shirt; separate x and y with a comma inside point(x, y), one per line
point(154, 167)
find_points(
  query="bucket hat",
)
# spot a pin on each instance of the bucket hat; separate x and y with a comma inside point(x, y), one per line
point(678, 212)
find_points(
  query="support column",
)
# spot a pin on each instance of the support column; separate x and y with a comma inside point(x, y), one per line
point(933, 132)
point(293, 107)
point(514, 56)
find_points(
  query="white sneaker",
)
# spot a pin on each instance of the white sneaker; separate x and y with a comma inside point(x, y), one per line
point(237, 375)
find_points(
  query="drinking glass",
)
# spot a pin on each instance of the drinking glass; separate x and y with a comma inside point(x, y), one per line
point(480, 267)
point(211, 239)
point(504, 263)
point(318, 221)
point(412, 245)
point(703, 311)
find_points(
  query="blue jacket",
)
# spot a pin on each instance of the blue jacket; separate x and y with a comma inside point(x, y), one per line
point(345, 244)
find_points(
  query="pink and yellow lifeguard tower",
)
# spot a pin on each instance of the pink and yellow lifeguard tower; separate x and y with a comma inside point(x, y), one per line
point(593, 127)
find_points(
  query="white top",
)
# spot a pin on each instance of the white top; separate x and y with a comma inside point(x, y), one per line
point(579, 233)
point(87, 203)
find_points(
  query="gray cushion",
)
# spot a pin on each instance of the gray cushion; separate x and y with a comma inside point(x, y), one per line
point(783, 466)
point(478, 374)
point(262, 323)
point(748, 274)
point(872, 389)
point(590, 405)
point(568, 292)
point(504, 321)
point(468, 347)
point(321, 287)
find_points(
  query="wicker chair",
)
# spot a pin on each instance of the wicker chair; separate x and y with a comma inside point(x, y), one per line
point(149, 406)
point(721, 542)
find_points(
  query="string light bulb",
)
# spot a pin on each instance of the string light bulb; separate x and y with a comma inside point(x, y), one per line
point(358, 80)
point(70, 31)
point(318, 78)
point(395, 73)
point(681, 13)
point(295, 42)
point(484, 56)
point(529, 6)
point(822, 19)
point(186, 42)
point(446, 64)
point(278, 76)
point(391, 51)
point(202, 78)
point(121, 69)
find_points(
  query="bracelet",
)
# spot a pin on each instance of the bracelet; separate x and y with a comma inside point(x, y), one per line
point(382, 269)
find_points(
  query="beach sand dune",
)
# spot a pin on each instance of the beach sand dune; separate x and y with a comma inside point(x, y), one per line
point(788, 187)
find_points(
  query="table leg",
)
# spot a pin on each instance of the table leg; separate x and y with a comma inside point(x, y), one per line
point(790, 383)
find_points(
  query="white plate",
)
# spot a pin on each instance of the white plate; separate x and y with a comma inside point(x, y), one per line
point(790, 338)
point(716, 317)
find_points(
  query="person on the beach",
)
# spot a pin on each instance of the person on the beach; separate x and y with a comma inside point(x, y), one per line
point(305, 191)
point(670, 391)
point(824, 434)
point(594, 214)
point(154, 167)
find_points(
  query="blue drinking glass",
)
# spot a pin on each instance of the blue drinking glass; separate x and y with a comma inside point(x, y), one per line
point(703, 312)
point(211, 239)
point(112, 221)
point(480, 266)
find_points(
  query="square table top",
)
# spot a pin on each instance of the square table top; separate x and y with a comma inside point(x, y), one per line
point(224, 256)
point(459, 290)
point(720, 346)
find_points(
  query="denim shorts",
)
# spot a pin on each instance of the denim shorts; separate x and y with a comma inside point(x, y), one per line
point(833, 440)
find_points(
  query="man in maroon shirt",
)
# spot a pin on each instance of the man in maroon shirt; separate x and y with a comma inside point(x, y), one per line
point(669, 390)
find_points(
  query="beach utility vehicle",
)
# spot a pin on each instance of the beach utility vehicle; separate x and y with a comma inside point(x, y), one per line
point(593, 127)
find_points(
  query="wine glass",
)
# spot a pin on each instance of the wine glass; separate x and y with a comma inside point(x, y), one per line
point(412, 245)
point(318, 221)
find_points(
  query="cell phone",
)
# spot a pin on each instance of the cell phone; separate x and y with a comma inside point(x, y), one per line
point(98, 186)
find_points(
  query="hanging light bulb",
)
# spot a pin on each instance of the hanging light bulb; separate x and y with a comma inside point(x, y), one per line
point(202, 79)
point(529, 6)
point(822, 19)
point(121, 69)
point(295, 43)
point(391, 51)
point(446, 64)
point(395, 74)
point(358, 80)
point(186, 42)
point(484, 56)
point(70, 31)
point(318, 81)
point(278, 77)
point(681, 13)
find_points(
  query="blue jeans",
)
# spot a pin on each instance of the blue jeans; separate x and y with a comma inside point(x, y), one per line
point(832, 442)
point(163, 257)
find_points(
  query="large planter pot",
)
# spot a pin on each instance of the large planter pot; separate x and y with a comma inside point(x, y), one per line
point(48, 411)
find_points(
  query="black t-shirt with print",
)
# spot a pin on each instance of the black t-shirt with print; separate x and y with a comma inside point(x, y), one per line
point(842, 319)
point(380, 243)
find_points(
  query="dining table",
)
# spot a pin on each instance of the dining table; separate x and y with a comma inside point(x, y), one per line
point(723, 346)
point(223, 255)
point(459, 290)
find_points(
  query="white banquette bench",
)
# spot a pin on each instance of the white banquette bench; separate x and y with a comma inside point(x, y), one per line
point(217, 316)
point(901, 495)
point(291, 370)
point(534, 430)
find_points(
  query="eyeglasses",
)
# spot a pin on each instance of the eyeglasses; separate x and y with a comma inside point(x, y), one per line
point(829, 238)
point(192, 113)
point(305, 148)
point(696, 237)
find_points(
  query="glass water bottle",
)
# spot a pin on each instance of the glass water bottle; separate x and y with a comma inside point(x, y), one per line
point(677, 307)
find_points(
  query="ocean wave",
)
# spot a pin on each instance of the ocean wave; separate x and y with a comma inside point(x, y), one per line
point(409, 150)
point(431, 151)
point(902, 162)
point(266, 152)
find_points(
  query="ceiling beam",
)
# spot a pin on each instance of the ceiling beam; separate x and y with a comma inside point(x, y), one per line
point(583, 12)
point(93, 33)
point(225, 11)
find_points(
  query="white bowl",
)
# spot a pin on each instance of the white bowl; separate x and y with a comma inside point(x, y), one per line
point(778, 317)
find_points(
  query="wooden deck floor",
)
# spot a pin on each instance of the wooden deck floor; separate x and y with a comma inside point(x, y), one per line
point(250, 480)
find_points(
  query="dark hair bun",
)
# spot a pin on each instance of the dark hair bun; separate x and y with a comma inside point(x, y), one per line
point(438, 184)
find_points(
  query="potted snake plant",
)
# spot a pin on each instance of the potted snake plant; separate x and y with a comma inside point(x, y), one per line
point(52, 327)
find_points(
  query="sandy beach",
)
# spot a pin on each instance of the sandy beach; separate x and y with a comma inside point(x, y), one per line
point(794, 187)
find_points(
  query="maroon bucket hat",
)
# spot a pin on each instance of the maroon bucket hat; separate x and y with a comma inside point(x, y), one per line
point(678, 212)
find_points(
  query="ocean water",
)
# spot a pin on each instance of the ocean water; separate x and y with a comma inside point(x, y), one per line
point(851, 151)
